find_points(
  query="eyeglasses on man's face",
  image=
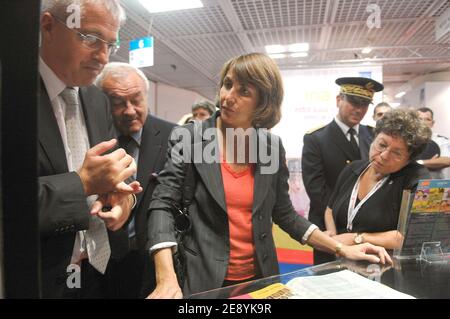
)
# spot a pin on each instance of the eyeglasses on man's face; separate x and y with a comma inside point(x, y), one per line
point(91, 41)
point(381, 147)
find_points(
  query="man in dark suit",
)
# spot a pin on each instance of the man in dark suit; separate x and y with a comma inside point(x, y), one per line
point(75, 130)
point(145, 137)
point(328, 149)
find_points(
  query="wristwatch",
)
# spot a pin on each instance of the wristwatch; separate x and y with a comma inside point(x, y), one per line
point(358, 239)
point(338, 249)
point(420, 162)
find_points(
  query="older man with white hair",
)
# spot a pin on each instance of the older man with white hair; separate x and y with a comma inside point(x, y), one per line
point(144, 137)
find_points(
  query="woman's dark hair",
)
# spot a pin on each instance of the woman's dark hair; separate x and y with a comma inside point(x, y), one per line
point(405, 124)
point(261, 71)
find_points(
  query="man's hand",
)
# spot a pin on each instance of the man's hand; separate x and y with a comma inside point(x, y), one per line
point(118, 206)
point(101, 174)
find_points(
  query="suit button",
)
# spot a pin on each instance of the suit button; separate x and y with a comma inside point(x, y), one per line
point(260, 217)
point(263, 235)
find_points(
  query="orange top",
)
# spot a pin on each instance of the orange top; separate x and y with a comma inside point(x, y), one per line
point(239, 199)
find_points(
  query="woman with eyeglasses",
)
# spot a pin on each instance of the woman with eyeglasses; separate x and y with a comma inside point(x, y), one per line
point(236, 199)
point(365, 204)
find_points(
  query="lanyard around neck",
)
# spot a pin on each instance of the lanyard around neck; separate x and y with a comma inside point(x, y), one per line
point(352, 210)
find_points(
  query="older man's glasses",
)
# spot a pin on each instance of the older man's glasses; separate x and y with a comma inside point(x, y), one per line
point(91, 41)
point(381, 146)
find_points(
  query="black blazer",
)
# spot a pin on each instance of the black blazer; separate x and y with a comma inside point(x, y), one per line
point(152, 157)
point(62, 203)
point(207, 244)
point(326, 152)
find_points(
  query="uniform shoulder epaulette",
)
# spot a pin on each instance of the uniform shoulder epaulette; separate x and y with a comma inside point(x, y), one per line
point(315, 129)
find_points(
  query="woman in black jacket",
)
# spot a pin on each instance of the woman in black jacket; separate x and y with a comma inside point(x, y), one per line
point(365, 203)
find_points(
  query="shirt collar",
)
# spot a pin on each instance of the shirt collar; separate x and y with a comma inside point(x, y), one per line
point(52, 83)
point(344, 126)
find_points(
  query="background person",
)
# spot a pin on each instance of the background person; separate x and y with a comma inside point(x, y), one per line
point(438, 165)
point(202, 110)
point(380, 109)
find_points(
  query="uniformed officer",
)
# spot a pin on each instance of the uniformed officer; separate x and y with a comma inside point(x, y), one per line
point(326, 150)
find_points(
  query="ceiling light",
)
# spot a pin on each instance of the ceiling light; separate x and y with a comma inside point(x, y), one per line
point(366, 50)
point(277, 56)
point(299, 55)
point(394, 104)
point(170, 5)
point(275, 48)
point(298, 47)
point(400, 94)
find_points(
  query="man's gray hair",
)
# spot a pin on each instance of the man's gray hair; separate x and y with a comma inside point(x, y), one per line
point(59, 8)
point(120, 70)
point(211, 108)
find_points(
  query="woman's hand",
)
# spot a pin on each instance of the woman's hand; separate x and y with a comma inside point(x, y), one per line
point(167, 286)
point(168, 289)
point(366, 251)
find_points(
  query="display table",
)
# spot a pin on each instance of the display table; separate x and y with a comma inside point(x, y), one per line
point(416, 278)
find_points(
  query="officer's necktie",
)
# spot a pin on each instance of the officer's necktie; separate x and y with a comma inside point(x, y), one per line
point(354, 145)
point(97, 243)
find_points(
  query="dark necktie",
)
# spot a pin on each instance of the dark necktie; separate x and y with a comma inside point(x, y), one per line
point(354, 145)
point(129, 145)
point(126, 142)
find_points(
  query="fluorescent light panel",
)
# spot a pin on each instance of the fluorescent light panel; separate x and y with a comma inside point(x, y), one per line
point(299, 55)
point(275, 48)
point(154, 6)
point(277, 56)
point(298, 47)
point(366, 50)
point(400, 94)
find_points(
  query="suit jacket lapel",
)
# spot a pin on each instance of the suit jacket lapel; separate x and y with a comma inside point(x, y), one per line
point(210, 173)
point(341, 141)
point(148, 153)
point(262, 181)
point(49, 134)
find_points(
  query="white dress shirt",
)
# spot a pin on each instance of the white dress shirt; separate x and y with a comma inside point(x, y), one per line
point(54, 87)
point(345, 129)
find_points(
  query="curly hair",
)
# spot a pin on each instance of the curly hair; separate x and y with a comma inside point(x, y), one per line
point(405, 124)
point(261, 71)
